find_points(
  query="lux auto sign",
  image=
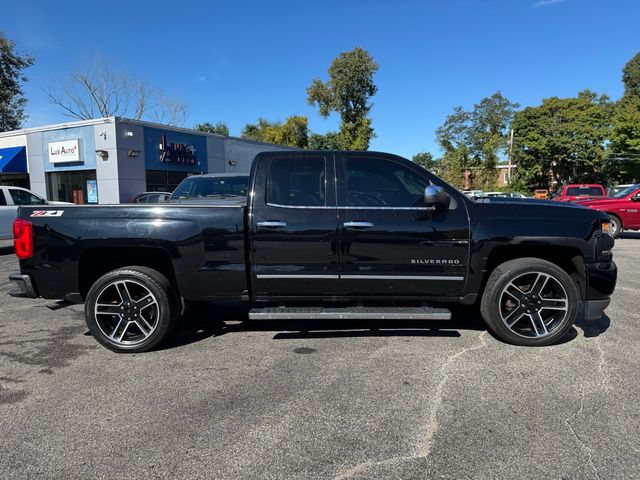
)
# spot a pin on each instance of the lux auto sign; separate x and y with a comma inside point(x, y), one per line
point(177, 153)
point(65, 151)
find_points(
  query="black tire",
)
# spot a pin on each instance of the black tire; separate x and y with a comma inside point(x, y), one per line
point(616, 227)
point(547, 322)
point(157, 323)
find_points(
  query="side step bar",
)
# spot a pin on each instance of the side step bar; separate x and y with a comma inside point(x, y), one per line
point(353, 313)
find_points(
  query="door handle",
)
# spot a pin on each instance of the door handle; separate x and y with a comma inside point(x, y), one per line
point(357, 224)
point(272, 224)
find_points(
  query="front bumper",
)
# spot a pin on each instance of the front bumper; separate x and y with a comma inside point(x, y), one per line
point(23, 286)
point(594, 309)
point(601, 280)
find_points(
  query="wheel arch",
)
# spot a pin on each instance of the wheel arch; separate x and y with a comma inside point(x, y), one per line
point(568, 258)
point(95, 262)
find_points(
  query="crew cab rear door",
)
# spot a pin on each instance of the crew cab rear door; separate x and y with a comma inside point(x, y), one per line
point(391, 243)
point(293, 226)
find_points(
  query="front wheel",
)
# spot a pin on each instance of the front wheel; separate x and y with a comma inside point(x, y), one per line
point(131, 309)
point(530, 302)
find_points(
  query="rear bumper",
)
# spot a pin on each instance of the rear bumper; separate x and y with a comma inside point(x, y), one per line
point(23, 286)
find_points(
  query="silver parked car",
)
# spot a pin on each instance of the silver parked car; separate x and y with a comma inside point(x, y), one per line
point(10, 199)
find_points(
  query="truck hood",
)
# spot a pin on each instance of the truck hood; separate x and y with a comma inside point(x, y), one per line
point(527, 216)
point(605, 202)
point(533, 202)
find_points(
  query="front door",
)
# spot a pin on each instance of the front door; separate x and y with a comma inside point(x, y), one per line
point(392, 244)
point(294, 234)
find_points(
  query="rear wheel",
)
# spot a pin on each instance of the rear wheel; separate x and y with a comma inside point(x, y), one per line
point(529, 301)
point(131, 309)
point(616, 226)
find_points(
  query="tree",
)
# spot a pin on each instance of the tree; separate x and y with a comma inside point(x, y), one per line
point(473, 141)
point(219, 128)
point(426, 161)
point(347, 92)
point(489, 134)
point(294, 132)
point(563, 139)
point(631, 77)
point(102, 91)
point(623, 155)
point(328, 141)
point(12, 100)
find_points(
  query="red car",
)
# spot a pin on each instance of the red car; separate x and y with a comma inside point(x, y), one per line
point(584, 191)
point(623, 208)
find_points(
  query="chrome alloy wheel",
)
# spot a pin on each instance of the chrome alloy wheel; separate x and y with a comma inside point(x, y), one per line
point(126, 312)
point(534, 305)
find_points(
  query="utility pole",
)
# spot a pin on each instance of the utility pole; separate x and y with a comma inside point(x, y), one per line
point(510, 156)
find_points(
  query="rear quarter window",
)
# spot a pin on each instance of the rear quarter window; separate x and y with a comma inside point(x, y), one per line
point(584, 191)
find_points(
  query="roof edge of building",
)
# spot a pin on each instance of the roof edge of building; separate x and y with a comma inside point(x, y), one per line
point(58, 126)
point(143, 123)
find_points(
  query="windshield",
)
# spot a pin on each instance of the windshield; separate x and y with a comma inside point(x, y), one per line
point(626, 191)
point(204, 186)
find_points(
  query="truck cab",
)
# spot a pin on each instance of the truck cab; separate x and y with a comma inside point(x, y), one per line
point(575, 192)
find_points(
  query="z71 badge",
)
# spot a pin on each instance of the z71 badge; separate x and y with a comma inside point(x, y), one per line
point(47, 213)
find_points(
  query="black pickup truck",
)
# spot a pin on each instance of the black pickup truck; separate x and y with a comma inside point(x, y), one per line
point(322, 235)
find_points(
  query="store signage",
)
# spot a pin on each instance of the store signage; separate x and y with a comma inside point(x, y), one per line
point(180, 153)
point(65, 151)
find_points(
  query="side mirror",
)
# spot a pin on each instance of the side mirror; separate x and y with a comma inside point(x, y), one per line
point(635, 198)
point(435, 196)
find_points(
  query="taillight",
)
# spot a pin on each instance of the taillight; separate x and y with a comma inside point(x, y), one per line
point(23, 238)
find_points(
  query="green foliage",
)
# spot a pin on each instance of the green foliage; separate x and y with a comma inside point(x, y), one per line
point(12, 101)
point(426, 161)
point(562, 139)
point(474, 141)
point(517, 184)
point(294, 132)
point(347, 92)
point(631, 77)
point(329, 141)
point(455, 164)
point(623, 162)
point(219, 128)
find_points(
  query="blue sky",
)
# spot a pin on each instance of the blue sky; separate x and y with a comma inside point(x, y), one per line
point(235, 61)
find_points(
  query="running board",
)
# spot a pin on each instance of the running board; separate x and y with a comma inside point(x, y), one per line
point(353, 313)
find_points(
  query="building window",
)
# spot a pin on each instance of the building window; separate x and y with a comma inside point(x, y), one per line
point(163, 180)
point(69, 186)
point(14, 180)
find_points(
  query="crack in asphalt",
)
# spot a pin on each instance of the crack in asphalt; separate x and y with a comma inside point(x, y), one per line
point(432, 424)
point(602, 366)
point(580, 442)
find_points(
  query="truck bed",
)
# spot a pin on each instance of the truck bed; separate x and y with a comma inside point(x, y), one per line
point(200, 243)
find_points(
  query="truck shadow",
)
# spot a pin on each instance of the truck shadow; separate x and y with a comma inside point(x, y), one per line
point(205, 321)
point(210, 320)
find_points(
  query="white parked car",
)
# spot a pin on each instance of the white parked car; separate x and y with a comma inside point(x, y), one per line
point(10, 199)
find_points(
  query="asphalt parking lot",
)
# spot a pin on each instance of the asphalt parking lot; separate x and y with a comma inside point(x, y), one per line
point(232, 399)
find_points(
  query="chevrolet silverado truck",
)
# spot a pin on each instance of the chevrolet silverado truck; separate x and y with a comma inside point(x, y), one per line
point(322, 235)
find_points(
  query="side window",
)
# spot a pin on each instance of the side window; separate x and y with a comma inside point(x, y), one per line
point(20, 197)
point(375, 182)
point(3, 202)
point(297, 182)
